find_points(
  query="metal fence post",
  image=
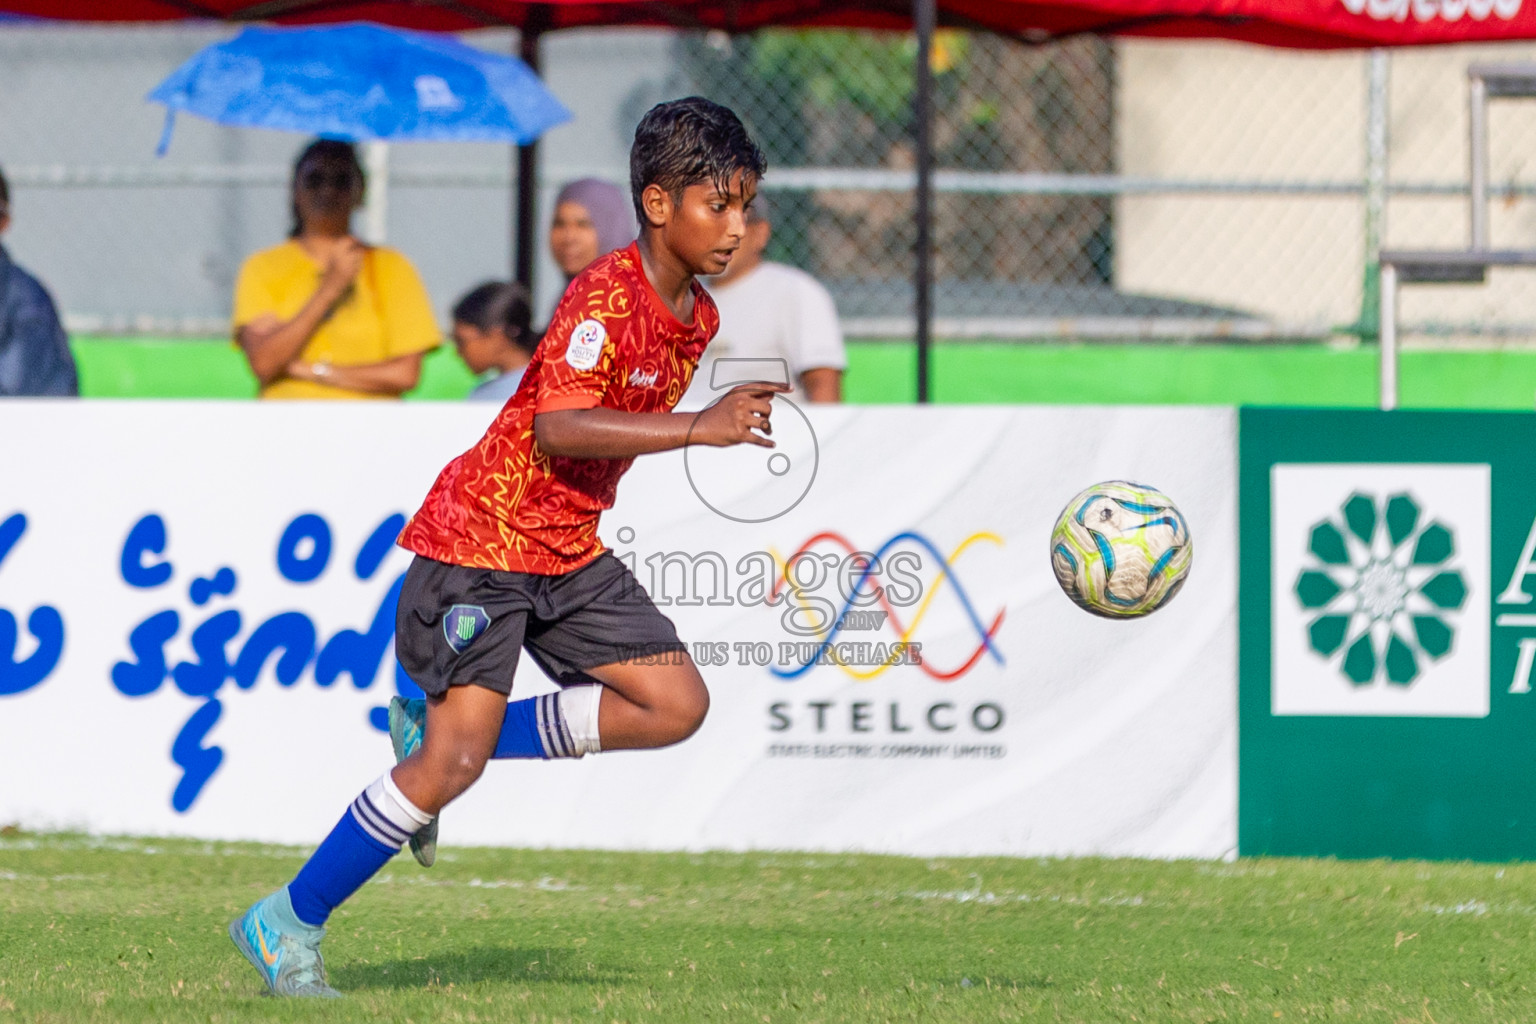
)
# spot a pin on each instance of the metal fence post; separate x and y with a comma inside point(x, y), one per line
point(1388, 354)
point(1477, 100)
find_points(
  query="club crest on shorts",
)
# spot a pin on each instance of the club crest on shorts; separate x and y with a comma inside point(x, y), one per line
point(462, 624)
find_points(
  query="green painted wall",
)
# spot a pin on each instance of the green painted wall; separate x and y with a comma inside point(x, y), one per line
point(1203, 374)
point(163, 368)
point(963, 372)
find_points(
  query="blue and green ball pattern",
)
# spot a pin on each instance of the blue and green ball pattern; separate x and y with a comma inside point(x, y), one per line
point(1121, 549)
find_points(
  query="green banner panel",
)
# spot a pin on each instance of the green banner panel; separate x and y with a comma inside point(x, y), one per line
point(1387, 615)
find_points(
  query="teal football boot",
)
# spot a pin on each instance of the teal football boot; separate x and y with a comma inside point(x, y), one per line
point(284, 949)
point(407, 728)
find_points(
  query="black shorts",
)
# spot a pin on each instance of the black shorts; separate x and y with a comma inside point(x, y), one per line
point(457, 626)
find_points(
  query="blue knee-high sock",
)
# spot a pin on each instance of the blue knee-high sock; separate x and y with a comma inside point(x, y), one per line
point(372, 831)
point(533, 729)
point(345, 860)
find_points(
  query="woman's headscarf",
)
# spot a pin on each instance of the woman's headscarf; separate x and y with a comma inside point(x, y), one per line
point(609, 208)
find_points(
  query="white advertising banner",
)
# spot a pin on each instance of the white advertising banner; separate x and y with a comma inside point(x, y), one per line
point(197, 609)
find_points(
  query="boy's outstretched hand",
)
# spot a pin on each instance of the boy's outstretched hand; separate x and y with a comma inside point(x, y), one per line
point(741, 417)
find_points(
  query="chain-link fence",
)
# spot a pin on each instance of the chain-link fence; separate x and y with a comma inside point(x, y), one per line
point(1087, 188)
point(834, 113)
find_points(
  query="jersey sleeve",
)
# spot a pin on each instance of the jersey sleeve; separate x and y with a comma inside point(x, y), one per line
point(817, 335)
point(255, 292)
point(580, 346)
point(409, 325)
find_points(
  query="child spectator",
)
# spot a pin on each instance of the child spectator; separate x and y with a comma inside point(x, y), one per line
point(491, 330)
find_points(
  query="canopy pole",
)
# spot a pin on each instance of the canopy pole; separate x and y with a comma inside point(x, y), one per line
point(923, 21)
point(527, 166)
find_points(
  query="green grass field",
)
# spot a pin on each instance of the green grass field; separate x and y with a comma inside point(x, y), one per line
point(134, 930)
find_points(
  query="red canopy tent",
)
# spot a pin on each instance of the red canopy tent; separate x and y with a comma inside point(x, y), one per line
point(1310, 24)
point(1301, 23)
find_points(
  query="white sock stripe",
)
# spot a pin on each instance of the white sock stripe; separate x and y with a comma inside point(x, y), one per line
point(594, 739)
point(546, 735)
point(548, 716)
point(541, 721)
point(377, 825)
point(386, 814)
point(416, 814)
point(374, 824)
point(380, 820)
point(555, 702)
point(578, 715)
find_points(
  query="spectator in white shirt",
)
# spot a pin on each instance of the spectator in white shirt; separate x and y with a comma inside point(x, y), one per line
point(772, 311)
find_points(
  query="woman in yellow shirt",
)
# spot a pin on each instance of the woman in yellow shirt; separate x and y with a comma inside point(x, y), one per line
point(323, 315)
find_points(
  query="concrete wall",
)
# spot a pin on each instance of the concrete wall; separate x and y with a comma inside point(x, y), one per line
point(1230, 112)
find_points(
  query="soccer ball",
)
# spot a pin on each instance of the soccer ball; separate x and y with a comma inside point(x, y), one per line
point(1121, 549)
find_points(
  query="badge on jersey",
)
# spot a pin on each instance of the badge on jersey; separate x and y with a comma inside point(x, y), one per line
point(462, 624)
point(586, 344)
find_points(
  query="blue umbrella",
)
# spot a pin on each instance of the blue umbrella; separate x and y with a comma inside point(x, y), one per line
point(361, 82)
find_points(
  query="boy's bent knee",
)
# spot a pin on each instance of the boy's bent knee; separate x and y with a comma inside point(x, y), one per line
point(456, 769)
point(688, 715)
point(467, 768)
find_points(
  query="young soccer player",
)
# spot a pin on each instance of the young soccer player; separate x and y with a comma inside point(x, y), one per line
point(506, 541)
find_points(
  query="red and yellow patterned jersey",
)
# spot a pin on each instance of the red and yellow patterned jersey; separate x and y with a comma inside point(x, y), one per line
point(506, 504)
